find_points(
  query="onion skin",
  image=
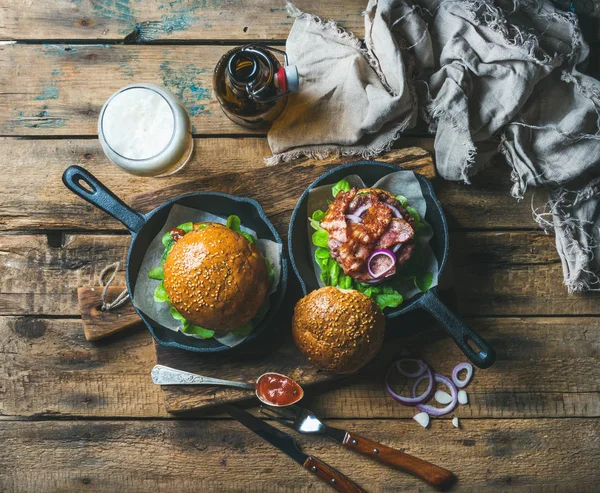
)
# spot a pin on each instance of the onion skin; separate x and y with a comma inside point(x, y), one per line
point(413, 400)
point(457, 381)
point(354, 218)
point(395, 211)
point(385, 273)
point(422, 367)
point(362, 209)
point(436, 411)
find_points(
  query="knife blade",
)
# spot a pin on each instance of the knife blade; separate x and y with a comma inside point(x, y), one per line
point(287, 444)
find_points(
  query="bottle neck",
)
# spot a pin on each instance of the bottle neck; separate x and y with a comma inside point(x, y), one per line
point(251, 74)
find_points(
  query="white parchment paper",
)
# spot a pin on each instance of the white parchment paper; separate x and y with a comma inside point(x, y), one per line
point(143, 296)
point(398, 183)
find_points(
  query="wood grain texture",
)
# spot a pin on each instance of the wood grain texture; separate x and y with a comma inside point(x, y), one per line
point(501, 273)
point(228, 165)
point(547, 367)
point(98, 324)
point(189, 20)
point(521, 455)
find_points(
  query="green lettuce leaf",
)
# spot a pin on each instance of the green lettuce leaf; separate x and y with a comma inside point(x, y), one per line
point(243, 330)
point(157, 273)
point(186, 227)
point(424, 281)
point(160, 295)
point(189, 328)
point(341, 185)
point(234, 223)
point(320, 238)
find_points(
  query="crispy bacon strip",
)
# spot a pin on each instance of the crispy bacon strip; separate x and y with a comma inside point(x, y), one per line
point(399, 231)
point(351, 244)
point(334, 221)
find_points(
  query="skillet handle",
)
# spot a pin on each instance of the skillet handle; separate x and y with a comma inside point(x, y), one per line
point(84, 184)
point(460, 332)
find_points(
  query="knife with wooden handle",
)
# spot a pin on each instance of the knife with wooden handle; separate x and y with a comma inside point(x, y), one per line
point(287, 444)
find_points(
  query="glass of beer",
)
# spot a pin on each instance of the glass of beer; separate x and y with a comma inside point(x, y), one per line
point(145, 130)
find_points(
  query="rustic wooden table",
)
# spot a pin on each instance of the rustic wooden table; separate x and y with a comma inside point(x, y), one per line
point(77, 416)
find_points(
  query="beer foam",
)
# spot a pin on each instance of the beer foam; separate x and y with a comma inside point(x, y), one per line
point(138, 123)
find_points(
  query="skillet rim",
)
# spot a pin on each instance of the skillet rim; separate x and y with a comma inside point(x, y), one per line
point(413, 302)
point(273, 310)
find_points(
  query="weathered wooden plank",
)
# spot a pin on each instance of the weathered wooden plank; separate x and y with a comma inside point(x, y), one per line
point(208, 455)
point(509, 273)
point(515, 273)
point(221, 164)
point(190, 20)
point(547, 367)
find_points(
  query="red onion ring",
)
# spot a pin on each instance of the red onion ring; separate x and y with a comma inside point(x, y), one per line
point(432, 410)
point(362, 209)
point(391, 269)
point(354, 218)
point(413, 400)
point(395, 211)
point(422, 367)
point(462, 366)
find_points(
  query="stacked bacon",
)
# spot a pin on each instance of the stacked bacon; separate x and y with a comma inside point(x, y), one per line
point(370, 233)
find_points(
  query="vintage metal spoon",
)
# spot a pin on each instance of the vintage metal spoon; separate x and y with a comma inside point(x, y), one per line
point(271, 388)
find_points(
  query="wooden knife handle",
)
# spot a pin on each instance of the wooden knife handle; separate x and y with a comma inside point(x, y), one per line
point(436, 476)
point(333, 478)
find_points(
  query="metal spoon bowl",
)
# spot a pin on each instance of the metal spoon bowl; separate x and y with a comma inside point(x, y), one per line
point(164, 375)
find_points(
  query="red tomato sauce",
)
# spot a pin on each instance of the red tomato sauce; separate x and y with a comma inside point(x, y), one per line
point(177, 234)
point(278, 389)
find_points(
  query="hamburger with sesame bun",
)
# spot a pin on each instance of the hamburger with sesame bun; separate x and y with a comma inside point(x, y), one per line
point(338, 330)
point(214, 277)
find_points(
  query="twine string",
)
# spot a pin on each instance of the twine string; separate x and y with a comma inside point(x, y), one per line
point(119, 300)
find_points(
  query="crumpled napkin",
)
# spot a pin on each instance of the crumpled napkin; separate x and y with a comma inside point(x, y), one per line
point(352, 100)
point(493, 77)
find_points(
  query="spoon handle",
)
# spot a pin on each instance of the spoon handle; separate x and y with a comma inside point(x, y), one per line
point(163, 375)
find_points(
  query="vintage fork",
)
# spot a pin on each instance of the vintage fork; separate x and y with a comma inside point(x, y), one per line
point(304, 421)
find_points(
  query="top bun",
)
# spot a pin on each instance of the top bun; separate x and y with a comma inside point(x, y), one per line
point(338, 330)
point(215, 278)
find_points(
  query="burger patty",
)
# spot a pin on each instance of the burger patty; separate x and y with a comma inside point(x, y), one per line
point(351, 242)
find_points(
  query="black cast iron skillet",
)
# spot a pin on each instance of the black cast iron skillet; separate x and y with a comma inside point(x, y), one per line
point(144, 228)
point(471, 343)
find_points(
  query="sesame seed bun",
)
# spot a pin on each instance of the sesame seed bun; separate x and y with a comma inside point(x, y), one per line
point(216, 278)
point(338, 330)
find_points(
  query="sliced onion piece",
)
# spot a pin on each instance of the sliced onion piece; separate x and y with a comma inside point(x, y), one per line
point(381, 263)
point(395, 248)
point(395, 211)
point(422, 419)
point(463, 398)
point(432, 410)
point(422, 367)
point(455, 422)
point(442, 397)
point(362, 209)
point(458, 368)
point(413, 400)
point(354, 218)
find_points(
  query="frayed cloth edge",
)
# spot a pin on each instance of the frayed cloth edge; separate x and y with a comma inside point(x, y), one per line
point(329, 150)
point(565, 227)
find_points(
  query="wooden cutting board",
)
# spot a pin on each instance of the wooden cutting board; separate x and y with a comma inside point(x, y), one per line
point(276, 352)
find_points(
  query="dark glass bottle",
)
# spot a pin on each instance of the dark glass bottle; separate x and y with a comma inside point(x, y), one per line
point(252, 86)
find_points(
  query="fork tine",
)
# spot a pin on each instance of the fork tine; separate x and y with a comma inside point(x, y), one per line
point(281, 421)
point(277, 413)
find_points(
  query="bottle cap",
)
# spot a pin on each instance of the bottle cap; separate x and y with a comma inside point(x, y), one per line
point(293, 80)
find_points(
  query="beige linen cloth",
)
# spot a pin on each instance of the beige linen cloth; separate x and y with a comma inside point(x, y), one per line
point(353, 100)
point(494, 78)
